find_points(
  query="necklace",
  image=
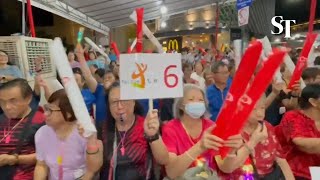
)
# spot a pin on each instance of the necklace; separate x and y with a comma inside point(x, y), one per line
point(122, 138)
point(7, 135)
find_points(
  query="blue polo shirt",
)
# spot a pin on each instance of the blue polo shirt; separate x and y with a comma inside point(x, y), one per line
point(216, 98)
point(88, 98)
point(101, 105)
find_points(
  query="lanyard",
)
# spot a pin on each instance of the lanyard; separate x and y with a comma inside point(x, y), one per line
point(7, 136)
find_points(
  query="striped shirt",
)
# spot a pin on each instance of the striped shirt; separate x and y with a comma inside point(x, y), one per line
point(9, 142)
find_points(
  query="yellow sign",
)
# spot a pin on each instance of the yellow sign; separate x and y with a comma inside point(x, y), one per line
point(173, 45)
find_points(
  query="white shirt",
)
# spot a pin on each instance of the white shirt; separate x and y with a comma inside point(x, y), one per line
point(201, 81)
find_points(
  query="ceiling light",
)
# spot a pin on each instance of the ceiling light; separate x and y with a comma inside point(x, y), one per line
point(163, 24)
point(163, 9)
point(207, 25)
point(176, 30)
point(190, 27)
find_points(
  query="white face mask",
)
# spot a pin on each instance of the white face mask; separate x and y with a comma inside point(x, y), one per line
point(195, 109)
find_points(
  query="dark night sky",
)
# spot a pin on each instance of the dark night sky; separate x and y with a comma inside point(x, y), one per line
point(298, 10)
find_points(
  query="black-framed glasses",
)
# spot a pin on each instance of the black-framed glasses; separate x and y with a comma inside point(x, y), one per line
point(49, 109)
point(116, 103)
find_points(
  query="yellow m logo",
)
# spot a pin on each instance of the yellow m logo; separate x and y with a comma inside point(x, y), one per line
point(173, 45)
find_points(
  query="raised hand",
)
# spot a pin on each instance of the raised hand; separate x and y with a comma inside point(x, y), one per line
point(296, 89)
point(151, 123)
point(259, 134)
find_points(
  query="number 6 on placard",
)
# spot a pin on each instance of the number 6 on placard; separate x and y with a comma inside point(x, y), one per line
point(167, 76)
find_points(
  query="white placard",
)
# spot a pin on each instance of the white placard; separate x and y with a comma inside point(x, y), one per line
point(243, 16)
point(315, 173)
point(160, 77)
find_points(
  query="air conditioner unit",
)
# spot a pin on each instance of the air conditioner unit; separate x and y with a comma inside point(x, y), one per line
point(22, 52)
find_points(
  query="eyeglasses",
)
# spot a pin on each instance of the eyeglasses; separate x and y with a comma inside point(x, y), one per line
point(49, 109)
point(114, 104)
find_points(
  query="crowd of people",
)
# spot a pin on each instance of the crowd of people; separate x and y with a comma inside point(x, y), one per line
point(280, 140)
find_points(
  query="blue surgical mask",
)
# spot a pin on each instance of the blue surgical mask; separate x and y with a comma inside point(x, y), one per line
point(195, 109)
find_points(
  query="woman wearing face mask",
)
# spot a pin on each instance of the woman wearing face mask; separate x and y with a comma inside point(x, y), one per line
point(299, 133)
point(188, 138)
point(261, 156)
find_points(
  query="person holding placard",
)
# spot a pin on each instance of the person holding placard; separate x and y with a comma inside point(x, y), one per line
point(68, 155)
point(261, 156)
point(131, 142)
point(299, 133)
point(189, 141)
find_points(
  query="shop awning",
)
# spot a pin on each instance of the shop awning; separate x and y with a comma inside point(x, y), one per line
point(101, 15)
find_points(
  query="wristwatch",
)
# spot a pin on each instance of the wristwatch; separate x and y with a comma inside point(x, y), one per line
point(150, 139)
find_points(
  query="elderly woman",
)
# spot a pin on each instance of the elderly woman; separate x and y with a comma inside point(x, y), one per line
point(131, 142)
point(198, 75)
point(7, 72)
point(261, 156)
point(299, 133)
point(189, 140)
point(62, 153)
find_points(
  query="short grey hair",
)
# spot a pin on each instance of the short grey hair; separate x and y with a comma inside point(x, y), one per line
point(177, 111)
point(215, 66)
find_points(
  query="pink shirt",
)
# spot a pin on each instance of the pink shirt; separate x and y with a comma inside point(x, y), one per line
point(178, 140)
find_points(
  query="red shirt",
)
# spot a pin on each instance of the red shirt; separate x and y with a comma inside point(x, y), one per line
point(178, 140)
point(265, 154)
point(295, 124)
point(133, 164)
point(23, 172)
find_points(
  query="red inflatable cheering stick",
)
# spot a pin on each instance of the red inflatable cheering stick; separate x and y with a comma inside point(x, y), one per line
point(139, 46)
point(303, 59)
point(241, 80)
point(239, 105)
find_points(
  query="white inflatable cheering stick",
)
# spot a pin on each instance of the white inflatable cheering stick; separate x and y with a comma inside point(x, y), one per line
point(92, 44)
point(73, 92)
point(267, 49)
